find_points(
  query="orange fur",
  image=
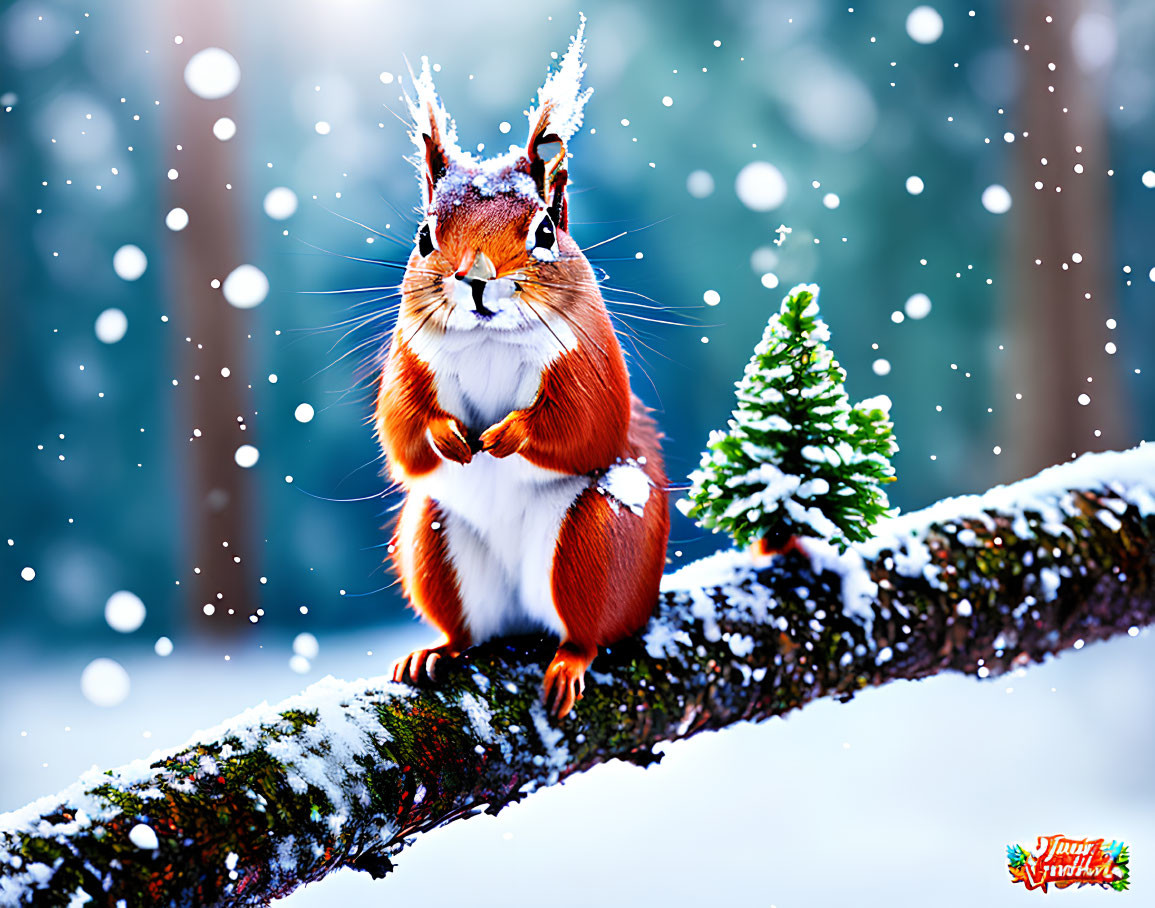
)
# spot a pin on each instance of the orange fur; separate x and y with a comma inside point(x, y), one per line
point(607, 567)
point(497, 226)
point(421, 559)
point(407, 409)
point(580, 420)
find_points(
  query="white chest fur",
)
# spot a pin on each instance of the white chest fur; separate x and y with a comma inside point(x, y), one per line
point(501, 516)
point(485, 368)
point(481, 381)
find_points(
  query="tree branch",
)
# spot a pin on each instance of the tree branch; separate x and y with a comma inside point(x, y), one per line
point(346, 774)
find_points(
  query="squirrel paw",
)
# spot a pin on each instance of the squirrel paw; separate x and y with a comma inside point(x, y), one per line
point(565, 680)
point(506, 437)
point(450, 440)
point(421, 665)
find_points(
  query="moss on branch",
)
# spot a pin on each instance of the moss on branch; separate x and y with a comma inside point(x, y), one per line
point(346, 774)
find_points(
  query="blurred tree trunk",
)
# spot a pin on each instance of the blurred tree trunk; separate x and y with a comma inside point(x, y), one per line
point(1057, 332)
point(219, 494)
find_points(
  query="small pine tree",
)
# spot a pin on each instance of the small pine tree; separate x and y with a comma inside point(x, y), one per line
point(798, 459)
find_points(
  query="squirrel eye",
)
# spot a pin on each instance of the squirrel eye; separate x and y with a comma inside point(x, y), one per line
point(425, 240)
point(541, 242)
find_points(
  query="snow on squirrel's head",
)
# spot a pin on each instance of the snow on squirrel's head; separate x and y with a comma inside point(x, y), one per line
point(489, 223)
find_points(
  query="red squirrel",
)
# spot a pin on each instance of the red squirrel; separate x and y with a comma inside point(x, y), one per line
point(536, 497)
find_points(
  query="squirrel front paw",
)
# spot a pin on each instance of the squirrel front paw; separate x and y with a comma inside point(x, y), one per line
point(421, 665)
point(506, 437)
point(449, 440)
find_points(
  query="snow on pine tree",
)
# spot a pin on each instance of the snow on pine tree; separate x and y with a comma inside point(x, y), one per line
point(797, 459)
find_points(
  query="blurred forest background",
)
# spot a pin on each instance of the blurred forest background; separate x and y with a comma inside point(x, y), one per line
point(101, 137)
point(972, 186)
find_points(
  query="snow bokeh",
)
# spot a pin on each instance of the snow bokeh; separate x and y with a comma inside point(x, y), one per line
point(247, 456)
point(129, 262)
point(245, 287)
point(176, 220)
point(111, 326)
point(996, 199)
point(700, 184)
point(1094, 39)
point(124, 611)
point(280, 203)
point(224, 128)
point(104, 682)
point(917, 306)
point(212, 73)
point(760, 186)
point(305, 644)
point(924, 24)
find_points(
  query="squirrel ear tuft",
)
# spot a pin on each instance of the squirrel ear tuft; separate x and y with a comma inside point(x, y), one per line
point(433, 132)
point(553, 122)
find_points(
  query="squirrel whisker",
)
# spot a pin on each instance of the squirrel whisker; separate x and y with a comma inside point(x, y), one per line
point(357, 320)
point(352, 258)
point(541, 319)
point(433, 311)
point(347, 290)
point(616, 236)
point(384, 236)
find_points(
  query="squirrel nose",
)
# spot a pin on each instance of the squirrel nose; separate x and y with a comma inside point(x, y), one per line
point(476, 266)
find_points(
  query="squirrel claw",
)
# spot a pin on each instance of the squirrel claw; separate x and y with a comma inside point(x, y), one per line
point(506, 437)
point(565, 681)
point(421, 665)
point(450, 441)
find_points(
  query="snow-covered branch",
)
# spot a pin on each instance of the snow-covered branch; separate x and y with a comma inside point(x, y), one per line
point(347, 773)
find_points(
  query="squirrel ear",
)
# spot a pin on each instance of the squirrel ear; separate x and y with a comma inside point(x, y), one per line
point(553, 122)
point(436, 159)
point(546, 154)
point(433, 132)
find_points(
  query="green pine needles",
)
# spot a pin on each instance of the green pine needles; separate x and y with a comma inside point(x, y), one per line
point(797, 459)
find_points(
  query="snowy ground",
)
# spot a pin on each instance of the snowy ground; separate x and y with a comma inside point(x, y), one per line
point(909, 795)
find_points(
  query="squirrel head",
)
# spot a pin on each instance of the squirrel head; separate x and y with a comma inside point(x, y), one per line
point(494, 232)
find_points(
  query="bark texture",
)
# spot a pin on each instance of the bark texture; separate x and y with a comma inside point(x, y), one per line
point(346, 774)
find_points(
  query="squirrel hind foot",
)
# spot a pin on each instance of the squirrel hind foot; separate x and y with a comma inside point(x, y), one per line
point(565, 677)
point(423, 666)
point(765, 546)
